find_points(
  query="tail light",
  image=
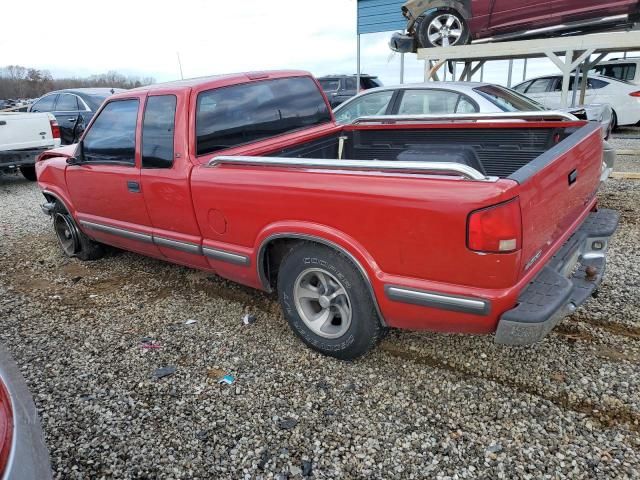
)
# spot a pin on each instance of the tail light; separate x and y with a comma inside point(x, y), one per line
point(55, 128)
point(495, 229)
point(635, 94)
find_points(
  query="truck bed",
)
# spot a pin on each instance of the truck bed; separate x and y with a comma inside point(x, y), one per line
point(495, 152)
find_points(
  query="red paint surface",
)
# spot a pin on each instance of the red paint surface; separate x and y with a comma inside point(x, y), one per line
point(6, 427)
point(405, 230)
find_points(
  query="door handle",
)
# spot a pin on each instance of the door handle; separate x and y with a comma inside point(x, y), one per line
point(133, 186)
point(71, 120)
point(2, 122)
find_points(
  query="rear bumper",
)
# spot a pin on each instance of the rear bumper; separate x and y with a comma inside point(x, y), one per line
point(19, 158)
point(565, 282)
point(28, 458)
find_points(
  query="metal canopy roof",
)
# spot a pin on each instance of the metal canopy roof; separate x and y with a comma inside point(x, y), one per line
point(380, 16)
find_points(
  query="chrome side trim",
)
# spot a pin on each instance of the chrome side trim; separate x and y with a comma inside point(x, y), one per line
point(186, 247)
point(121, 232)
point(226, 256)
point(215, 253)
point(262, 274)
point(502, 116)
point(372, 165)
point(437, 300)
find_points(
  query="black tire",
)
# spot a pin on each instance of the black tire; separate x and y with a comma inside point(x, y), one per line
point(29, 172)
point(614, 121)
point(424, 24)
point(82, 247)
point(361, 331)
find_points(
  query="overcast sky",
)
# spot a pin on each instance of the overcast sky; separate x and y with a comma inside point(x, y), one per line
point(84, 37)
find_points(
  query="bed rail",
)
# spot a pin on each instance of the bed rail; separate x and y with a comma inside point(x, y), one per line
point(437, 168)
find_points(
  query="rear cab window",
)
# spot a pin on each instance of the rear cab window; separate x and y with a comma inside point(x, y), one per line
point(230, 116)
point(158, 128)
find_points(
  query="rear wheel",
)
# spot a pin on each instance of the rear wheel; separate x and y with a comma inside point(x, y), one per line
point(29, 172)
point(327, 302)
point(442, 28)
point(614, 121)
point(73, 242)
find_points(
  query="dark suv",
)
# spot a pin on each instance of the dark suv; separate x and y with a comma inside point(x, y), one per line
point(340, 88)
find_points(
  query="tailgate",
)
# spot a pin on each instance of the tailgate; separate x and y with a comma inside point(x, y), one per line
point(19, 131)
point(556, 189)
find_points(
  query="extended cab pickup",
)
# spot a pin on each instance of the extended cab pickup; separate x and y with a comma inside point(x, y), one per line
point(24, 136)
point(463, 224)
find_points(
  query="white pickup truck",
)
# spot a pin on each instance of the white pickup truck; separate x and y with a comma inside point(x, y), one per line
point(23, 136)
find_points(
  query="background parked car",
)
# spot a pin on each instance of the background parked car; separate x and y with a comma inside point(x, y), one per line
point(73, 108)
point(441, 98)
point(627, 69)
point(623, 97)
point(441, 23)
point(339, 88)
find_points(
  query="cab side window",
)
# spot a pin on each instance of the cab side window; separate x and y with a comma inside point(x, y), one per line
point(112, 137)
point(158, 127)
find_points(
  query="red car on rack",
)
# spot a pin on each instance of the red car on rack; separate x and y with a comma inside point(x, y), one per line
point(456, 224)
point(443, 23)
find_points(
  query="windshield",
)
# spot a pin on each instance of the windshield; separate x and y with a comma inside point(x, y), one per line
point(508, 100)
point(330, 85)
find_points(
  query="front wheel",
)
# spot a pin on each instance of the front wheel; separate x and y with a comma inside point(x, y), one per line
point(327, 302)
point(73, 242)
point(442, 28)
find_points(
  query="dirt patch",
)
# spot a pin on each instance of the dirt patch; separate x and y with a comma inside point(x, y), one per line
point(608, 353)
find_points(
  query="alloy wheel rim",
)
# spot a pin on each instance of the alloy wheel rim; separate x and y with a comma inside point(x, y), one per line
point(322, 303)
point(66, 233)
point(445, 30)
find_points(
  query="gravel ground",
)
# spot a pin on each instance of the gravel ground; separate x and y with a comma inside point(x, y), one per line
point(421, 405)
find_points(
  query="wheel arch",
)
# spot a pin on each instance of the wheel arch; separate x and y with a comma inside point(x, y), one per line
point(419, 8)
point(56, 197)
point(282, 240)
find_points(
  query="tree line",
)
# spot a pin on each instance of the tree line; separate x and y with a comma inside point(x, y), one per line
point(22, 82)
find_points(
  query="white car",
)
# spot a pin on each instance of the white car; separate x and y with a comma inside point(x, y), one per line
point(622, 96)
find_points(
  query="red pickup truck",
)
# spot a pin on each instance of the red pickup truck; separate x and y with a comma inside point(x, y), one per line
point(461, 224)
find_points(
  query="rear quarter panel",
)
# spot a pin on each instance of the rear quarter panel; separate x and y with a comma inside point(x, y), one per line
point(413, 225)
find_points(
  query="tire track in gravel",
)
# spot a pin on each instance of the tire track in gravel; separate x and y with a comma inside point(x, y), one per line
point(605, 416)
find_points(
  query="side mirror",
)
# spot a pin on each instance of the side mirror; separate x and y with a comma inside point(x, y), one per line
point(78, 156)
